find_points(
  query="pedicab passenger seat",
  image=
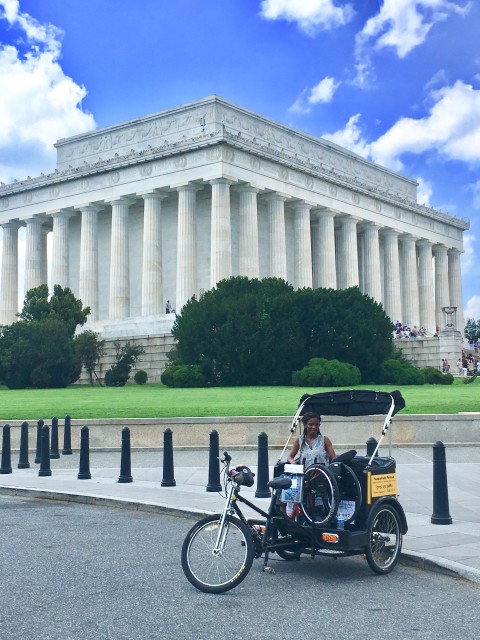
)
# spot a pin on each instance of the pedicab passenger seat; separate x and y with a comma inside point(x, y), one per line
point(379, 465)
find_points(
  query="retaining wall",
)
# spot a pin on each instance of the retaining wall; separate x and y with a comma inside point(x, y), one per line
point(243, 431)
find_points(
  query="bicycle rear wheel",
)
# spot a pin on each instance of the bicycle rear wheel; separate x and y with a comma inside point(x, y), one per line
point(217, 572)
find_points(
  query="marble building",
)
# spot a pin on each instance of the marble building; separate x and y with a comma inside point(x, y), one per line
point(163, 207)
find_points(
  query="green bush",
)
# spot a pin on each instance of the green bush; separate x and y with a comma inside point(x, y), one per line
point(435, 376)
point(470, 379)
point(140, 377)
point(396, 372)
point(167, 375)
point(183, 375)
point(126, 357)
point(327, 373)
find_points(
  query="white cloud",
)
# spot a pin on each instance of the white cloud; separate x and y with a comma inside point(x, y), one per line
point(351, 137)
point(452, 128)
point(39, 104)
point(323, 92)
point(468, 258)
point(311, 16)
point(424, 192)
point(476, 194)
point(472, 310)
point(401, 26)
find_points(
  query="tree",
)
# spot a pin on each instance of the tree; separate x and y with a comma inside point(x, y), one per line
point(259, 331)
point(90, 349)
point(126, 357)
point(38, 350)
point(472, 330)
point(38, 354)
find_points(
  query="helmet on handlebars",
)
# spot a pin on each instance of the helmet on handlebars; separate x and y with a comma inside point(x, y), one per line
point(243, 475)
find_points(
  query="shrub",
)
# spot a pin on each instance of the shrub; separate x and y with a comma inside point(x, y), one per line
point(396, 372)
point(327, 373)
point(167, 375)
point(183, 375)
point(126, 357)
point(434, 376)
point(140, 377)
point(467, 380)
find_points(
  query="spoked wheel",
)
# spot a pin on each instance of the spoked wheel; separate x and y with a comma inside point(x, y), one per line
point(216, 571)
point(384, 540)
point(320, 495)
point(287, 554)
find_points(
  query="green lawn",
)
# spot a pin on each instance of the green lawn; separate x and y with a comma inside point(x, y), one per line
point(155, 400)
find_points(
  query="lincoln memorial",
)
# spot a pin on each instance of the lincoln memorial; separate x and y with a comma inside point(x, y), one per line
point(165, 206)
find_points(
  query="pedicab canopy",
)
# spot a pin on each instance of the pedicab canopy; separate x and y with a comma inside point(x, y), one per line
point(359, 402)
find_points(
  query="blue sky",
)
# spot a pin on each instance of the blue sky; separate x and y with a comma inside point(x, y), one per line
point(397, 81)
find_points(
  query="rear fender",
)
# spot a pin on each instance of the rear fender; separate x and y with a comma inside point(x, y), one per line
point(395, 504)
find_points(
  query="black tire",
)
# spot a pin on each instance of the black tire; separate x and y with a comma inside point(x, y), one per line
point(319, 486)
point(384, 539)
point(288, 555)
point(221, 572)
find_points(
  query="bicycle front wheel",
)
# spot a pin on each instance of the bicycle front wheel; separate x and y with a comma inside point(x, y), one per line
point(217, 570)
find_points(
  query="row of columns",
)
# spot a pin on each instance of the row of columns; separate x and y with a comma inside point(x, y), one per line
point(403, 278)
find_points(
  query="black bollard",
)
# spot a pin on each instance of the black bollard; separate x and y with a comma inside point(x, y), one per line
point(84, 469)
point(441, 514)
point(125, 463)
point(168, 475)
point(371, 444)
point(262, 467)
point(67, 437)
point(54, 453)
point(23, 462)
point(6, 466)
point(214, 464)
point(38, 450)
point(45, 454)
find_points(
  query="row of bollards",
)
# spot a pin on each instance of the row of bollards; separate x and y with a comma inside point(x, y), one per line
point(47, 449)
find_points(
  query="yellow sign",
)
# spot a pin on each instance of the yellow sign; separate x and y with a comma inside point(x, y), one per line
point(382, 485)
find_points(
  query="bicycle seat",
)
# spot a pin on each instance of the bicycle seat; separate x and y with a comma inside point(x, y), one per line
point(280, 483)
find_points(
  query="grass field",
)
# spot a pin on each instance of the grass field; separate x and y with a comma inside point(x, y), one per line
point(157, 401)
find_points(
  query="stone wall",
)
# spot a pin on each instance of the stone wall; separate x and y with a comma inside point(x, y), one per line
point(429, 351)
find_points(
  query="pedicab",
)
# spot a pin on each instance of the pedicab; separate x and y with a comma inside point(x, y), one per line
point(345, 508)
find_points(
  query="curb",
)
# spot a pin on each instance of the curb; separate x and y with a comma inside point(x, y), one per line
point(439, 565)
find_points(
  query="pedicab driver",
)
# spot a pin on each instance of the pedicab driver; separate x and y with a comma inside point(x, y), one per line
point(311, 447)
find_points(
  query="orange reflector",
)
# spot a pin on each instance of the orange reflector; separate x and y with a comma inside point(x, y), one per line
point(329, 537)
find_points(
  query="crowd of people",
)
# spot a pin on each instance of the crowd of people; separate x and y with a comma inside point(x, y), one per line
point(467, 364)
point(404, 331)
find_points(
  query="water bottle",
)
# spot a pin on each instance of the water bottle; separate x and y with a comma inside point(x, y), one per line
point(340, 523)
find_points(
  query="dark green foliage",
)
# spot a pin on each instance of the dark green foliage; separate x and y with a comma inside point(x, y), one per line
point(126, 357)
point(472, 329)
point(435, 376)
point(397, 372)
point(90, 349)
point(327, 373)
point(183, 375)
point(252, 332)
point(38, 354)
point(38, 350)
point(469, 379)
point(140, 377)
point(62, 305)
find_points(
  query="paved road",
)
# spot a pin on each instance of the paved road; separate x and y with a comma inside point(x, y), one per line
point(72, 572)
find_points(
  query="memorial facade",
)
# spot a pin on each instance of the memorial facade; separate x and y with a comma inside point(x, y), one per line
point(165, 206)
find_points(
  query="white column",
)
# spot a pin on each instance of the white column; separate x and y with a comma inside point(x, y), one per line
point(409, 280)
point(455, 286)
point(186, 245)
point(60, 251)
point(393, 299)
point(248, 263)
point(221, 234)
point(276, 236)
point(303, 245)
point(426, 295)
point(88, 280)
point(152, 290)
point(349, 252)
point(9, 273)
point(119, 300)
point(373, 282)
point(33, 254)
point(326, 274)
point(442, 292)
point(315, 233)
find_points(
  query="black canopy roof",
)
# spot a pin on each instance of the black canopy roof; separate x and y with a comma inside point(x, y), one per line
point(357, 402)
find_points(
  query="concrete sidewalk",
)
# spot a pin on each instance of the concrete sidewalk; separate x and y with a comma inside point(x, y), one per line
point(453, 548)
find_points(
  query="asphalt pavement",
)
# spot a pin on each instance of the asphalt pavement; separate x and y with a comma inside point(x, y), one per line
point(449, 548)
